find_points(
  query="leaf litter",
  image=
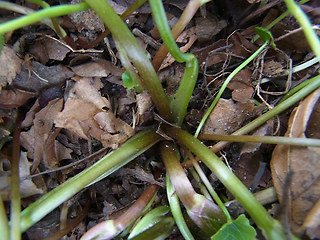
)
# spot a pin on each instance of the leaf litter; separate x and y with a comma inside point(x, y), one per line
point(76, 106)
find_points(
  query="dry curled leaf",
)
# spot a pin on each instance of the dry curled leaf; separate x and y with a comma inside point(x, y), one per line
point(88, 114)
point(302, 163)
point(40, 131)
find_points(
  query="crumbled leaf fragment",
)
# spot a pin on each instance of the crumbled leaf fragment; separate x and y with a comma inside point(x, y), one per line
point(238, 229)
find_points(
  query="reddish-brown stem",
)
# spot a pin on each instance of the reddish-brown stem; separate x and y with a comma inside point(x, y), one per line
point(62, 232)
point(137, 208)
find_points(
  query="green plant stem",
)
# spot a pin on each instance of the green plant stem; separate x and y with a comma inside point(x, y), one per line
point(136, 54)
point(306, 25)
point(178, 102)
point(109, 229)
point(51, 12)
point(307, 142)
point(176, 210)
point(211, 190)
point(203, 212)
point(104, 167)
point(137, 4)
point(314, 83)
point(225, 84)
point(301, 67)
point(271, 228)
point(61, 33)
point(15, 233)
point(188, 13)
point(26, 11)
point(3, 221)
point(160, 18)
point(264, 197)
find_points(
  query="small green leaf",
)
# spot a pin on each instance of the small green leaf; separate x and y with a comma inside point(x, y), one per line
point(160, 231)
point(239, 229)
point(149, 220)
point(265, 35)
point(130, 82)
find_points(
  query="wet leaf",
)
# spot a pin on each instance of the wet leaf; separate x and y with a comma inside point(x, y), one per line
point(302, 163)
point(239, 229)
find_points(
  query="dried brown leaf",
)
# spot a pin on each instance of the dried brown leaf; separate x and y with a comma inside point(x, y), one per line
point(91, 69)
point(14, 98)
point(144, 103)
point(55, 49)
point(241, 86)
point(207, 28)
point(75, 111)
point(303, 164)
point(43, 124)
point(10, 66)
point(116, 130)
point(37, 76)
point(228, 116)
point(88, 114)
point(87, 90)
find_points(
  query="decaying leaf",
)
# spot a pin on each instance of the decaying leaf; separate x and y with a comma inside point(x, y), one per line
point(303, 165)
point(207, 28)
point(75, 111)
point(43, 124)
point(116, 130)
point(88, 114)
point(27, 187)
point(48, 48)
point(10, 66)
point(144, 103)
point(241, 86)
point(37, 76)
point(251, 167)
point(228, 116)
point(14, 98)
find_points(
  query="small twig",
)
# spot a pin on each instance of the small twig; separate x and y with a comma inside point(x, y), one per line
point(147, 39)
point(99, 152)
